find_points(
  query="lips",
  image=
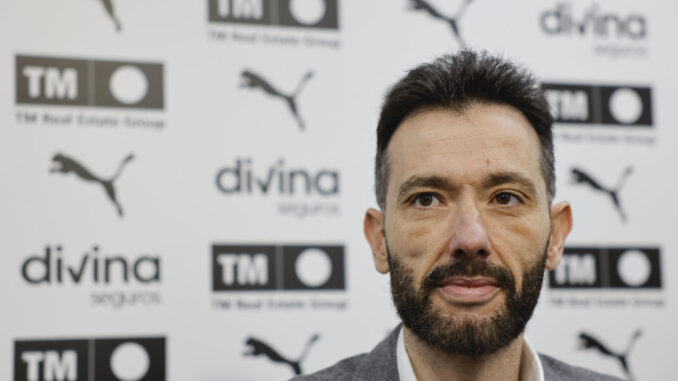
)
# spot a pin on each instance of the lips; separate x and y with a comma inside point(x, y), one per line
point(469, 290)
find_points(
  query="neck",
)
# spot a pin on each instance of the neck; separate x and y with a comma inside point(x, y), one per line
point(432, 364)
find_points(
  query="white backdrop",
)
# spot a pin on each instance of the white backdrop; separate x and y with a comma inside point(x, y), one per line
point(240, 223)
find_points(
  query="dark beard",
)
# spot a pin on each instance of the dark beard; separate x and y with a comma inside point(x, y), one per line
point(467, 336)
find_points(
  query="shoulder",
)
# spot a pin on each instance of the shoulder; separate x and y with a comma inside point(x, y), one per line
point(343, 370)
point(556, 370)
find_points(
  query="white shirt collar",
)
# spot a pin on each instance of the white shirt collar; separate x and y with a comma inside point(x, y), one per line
point(530, 364)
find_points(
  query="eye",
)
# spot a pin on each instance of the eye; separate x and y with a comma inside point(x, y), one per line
point(506, 198)
point(425, 200)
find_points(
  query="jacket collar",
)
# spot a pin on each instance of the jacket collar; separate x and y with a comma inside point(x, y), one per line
point(380, 364)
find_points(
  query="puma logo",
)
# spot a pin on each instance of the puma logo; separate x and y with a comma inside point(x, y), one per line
point(252, 80)
point(108, 5)
point(257, 347)
point(65, 164)
point(581, 177)
point(589, 342)
point(453, 22)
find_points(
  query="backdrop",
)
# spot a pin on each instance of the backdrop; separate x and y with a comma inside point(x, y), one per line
point(183, 183)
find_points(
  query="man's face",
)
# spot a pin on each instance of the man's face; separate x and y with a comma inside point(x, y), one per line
point(466, 225)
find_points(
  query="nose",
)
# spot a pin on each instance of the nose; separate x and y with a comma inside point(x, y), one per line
point(469, 234)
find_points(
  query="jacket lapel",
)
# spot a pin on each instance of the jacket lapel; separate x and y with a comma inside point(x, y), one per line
point(381, 363)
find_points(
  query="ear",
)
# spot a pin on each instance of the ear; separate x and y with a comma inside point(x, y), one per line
point(561, 224)
point(374, 232)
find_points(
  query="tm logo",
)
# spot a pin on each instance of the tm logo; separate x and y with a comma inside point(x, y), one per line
point(257, 347)
point(318, 14)
point(252, 80)
point(594, 104)
point(125, 359)
point(259, 267)
point(579, 176)
point(607, 268)
point(65, 165)
point(80, 82)
point(588, 341)
point(452, 21)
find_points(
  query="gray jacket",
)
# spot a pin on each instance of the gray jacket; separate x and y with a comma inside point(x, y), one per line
point(381, 365)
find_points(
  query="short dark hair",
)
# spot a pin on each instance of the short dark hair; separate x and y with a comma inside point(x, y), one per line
point(456, 82)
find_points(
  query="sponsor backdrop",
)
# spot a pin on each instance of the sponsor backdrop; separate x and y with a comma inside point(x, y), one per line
point(183, 183)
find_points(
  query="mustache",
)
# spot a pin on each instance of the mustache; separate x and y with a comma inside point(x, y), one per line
point(501, 275)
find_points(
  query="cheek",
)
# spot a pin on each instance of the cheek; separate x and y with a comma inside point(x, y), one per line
point(416, 244)
point(519, 244)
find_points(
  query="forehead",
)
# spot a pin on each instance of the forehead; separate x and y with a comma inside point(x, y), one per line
point(465, 145)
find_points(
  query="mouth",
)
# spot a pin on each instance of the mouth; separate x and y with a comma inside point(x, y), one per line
point(469, 290)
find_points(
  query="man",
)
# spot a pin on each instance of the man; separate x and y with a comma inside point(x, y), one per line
point(466, 227)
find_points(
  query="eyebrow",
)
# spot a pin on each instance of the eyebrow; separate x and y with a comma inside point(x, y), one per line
point(506, 177)
point(491, 180)
point(421, 182)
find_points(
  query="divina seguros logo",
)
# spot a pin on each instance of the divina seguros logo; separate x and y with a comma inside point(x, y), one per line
point(592, 21)
point(110, 359)
point(318, 14)
point(613, 33)
point(85, 82)
point(93, 267)
point(299, 192)
point(243, 178)
point(116, 280)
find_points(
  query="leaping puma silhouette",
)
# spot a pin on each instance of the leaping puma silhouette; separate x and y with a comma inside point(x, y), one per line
point(65, 164)
point(424, 5)
point(589, 342)
point(579, 177)
point(258, 347)
point(252, 80)
point(108, 6)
